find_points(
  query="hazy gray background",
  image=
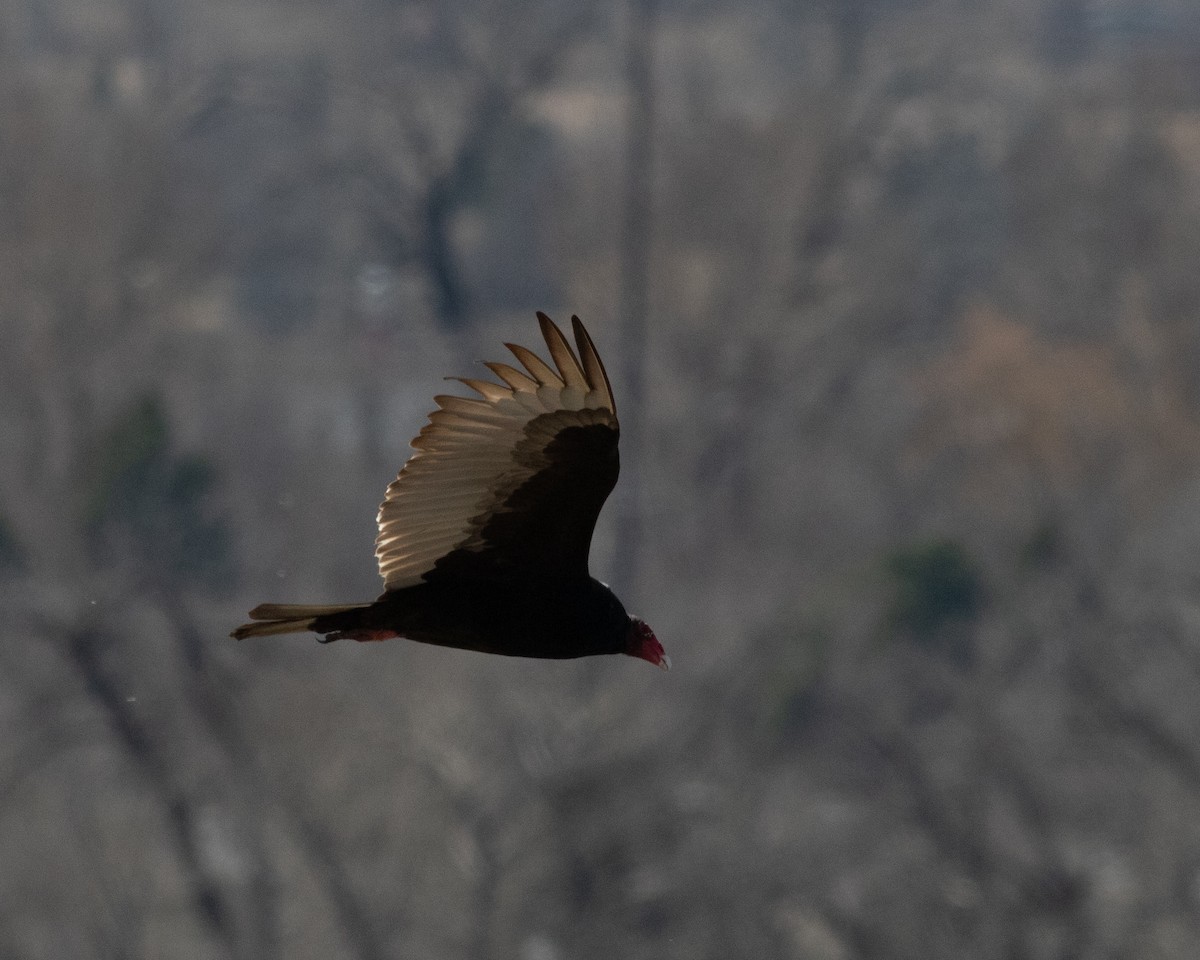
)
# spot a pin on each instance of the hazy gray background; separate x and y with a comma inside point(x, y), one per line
point(919, 472)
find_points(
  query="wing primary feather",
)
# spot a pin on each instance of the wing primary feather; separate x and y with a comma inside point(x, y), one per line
point(492, 392)
point(513, 377)
point(597, 376)
point(560, 352)
point(469, 406)
point(538, 368)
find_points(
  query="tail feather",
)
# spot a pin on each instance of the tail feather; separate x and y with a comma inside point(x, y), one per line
point(270, 619)
point(293, 611)
point(267, 628)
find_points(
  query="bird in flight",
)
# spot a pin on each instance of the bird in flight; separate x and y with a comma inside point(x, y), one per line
point(484, 536)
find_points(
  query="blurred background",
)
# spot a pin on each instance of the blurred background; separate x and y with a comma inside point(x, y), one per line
point(900, 301)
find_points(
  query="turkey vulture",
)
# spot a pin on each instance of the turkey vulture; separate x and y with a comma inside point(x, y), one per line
point(484, 536)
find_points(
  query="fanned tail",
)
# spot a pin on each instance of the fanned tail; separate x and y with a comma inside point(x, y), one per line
point(269, 619)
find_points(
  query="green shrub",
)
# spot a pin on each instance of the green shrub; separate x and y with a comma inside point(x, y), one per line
point(933, 583)
point(148, 503)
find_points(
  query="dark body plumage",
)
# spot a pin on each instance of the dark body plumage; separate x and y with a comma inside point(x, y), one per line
point(556, 619)
point(484, 536)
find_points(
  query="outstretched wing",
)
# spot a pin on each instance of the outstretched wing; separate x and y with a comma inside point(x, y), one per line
point(510, 484)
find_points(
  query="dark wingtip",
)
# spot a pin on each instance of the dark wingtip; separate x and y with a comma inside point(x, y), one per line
point(549, 327)
point(593, 365)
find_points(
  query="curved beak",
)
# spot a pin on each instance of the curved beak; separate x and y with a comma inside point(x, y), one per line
point(664, 663)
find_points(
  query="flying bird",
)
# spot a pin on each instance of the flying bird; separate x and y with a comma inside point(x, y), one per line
point(484, 535)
